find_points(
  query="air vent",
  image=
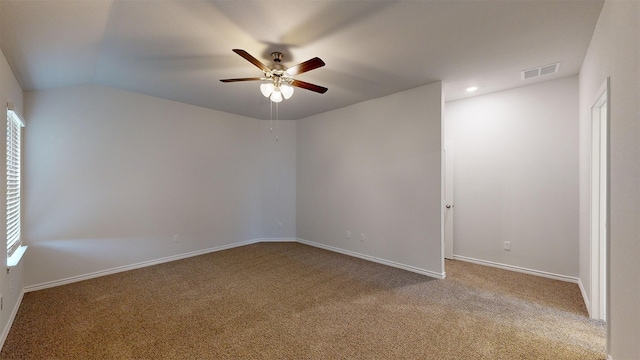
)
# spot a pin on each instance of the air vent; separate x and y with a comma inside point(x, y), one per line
point(540, 71)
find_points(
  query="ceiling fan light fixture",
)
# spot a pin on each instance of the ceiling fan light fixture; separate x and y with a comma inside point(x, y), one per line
point(279, 79)
point(286, 90)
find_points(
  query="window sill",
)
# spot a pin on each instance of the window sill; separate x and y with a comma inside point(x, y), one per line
point(14, 259)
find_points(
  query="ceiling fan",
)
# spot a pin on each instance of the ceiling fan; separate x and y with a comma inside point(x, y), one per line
point(278, 79)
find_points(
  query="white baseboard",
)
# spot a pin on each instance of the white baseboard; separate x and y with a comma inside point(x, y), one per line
point(277, 240)
point(584, 297)
point(139, 265)
point(374, 259)
point(12, 317)
point(518, 269)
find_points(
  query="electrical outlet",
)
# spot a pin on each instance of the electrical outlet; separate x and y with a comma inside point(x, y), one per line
point(362, 237)
point(176, 238)
point(507, 245)
point(280, 225)
point(348, 236)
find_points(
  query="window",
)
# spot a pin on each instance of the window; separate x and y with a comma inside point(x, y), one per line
point(14, 127)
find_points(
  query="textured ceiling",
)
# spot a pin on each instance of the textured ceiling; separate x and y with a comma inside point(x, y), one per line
point(179, 50)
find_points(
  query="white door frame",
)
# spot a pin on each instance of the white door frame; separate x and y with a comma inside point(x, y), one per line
point(599, 204)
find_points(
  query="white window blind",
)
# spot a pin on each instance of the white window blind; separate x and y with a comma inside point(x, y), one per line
point(14, 126)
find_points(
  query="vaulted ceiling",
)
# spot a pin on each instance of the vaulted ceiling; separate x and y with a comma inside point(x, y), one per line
point(179, 50)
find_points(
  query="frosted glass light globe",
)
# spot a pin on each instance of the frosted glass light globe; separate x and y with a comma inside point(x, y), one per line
point(276, 96)
point(267, 89)
point(286, 91)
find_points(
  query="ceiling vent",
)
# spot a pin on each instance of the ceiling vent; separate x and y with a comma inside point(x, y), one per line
point(540, 71)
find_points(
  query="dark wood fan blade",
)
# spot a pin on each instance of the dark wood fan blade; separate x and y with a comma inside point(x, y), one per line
point(309, 86)
point(308, 65)
point(240, 79)
point(251, 59)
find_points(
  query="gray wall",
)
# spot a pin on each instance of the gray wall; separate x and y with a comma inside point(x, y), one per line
point(374, 168)
point(615, 52)
point(278, 179)
point(516, 176)
point(113, 175)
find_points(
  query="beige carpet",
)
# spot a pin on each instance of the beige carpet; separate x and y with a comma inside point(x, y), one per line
point(291, 301)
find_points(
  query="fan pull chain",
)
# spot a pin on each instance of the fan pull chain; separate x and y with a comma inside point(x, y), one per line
point(271, 113)
point(277, 117)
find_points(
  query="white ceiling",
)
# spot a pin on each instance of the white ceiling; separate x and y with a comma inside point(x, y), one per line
point(179, 50)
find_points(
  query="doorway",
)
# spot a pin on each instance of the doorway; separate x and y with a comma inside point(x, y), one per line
point(599, 203)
